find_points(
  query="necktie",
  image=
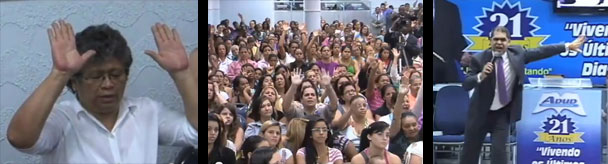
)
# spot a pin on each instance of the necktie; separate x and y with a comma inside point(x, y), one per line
point(504, 96)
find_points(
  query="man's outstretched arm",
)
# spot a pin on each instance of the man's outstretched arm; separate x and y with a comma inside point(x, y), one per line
point(172, 57)
point(550, 50)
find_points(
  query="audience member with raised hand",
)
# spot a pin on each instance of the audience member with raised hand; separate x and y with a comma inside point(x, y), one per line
point(308, 104)
point(377, 80)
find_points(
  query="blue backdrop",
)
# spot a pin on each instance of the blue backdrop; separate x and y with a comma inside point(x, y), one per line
point(533, 23)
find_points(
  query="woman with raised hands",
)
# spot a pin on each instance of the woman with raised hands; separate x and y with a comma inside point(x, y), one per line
point(310, 98)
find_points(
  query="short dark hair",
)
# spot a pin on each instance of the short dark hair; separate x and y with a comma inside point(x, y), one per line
point(272, 56)
point(108, 43)
point(247, 65)
point(502, 29)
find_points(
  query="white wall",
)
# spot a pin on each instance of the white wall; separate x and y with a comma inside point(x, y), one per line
point(257, 10)
point(260, 9)
point(395, 3)
point(25, 58)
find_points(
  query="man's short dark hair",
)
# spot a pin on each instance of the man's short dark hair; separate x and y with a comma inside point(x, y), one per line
point(247, 65)
point(502, 29)
point(108, 43)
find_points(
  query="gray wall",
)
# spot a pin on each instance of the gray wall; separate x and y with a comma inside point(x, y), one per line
point(25, 58)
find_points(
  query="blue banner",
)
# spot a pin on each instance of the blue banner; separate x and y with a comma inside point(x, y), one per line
point(560, 126)
point(534, 23)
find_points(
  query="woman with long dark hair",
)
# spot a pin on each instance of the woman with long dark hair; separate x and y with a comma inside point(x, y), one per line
point(406, 135)
point(389, 96)
point(317, 137)
point(232, 124)
point(216, 150)
point(413, 155)
point(242, 90)
point(262, 110)
point(374, 140)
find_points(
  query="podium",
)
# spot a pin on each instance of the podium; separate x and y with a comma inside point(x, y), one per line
point(561, 122)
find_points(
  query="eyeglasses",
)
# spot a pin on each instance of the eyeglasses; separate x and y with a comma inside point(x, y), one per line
point(320, 130)
point(97, 78)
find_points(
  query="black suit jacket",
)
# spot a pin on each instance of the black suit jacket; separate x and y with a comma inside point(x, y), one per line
point(448, 42)
point(484, 91)
point(411, 49)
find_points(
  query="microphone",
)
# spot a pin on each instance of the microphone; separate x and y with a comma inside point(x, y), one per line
point(494, 57)
point(438, 57)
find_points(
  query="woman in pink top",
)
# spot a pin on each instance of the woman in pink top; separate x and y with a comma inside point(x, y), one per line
point(244, 57)
point(316, 138)
point(373, 95)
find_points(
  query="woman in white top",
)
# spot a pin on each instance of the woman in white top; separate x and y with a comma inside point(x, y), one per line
point(357, 121)
point(316, 139)
point(413, 154)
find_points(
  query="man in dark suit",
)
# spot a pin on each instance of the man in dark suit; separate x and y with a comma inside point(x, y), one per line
point(402, 37)
point(496, 101)
point(448, 43)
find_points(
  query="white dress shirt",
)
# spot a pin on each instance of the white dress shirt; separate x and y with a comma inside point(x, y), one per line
point(72, 135)
point(224, 65)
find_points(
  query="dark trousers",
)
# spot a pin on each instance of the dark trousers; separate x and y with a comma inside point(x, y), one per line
point(496, 123)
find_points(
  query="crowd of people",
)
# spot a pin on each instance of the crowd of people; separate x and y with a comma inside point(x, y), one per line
point(344, 92)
